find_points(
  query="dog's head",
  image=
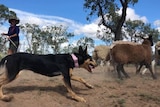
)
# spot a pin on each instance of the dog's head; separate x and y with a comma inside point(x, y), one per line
point(85, 60)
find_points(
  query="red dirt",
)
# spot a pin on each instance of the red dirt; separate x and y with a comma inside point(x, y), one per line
point(34, 90)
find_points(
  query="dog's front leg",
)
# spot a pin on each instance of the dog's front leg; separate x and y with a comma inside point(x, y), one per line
point(73, 95)
point(79, 79)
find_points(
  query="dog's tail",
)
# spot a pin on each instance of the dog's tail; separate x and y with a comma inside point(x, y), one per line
point(3, 66)
point(3, 72)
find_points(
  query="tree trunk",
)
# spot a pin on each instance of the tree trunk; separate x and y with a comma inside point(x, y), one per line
point(118, 34)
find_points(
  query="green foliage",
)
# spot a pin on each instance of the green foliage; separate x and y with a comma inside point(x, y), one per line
point(140, 28)
point(57, 35)
point(93, 6)
point(86, 41)
point(132, 2)
point(3, 47)
point(5, 13)
point(33, 36)
point(41, 39)
point(107, 11)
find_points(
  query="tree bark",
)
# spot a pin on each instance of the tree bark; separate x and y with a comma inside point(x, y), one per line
point(118, 34)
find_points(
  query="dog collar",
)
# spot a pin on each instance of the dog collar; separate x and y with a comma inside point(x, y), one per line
point(75, 59)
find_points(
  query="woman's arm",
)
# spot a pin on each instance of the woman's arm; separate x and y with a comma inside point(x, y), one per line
point(4, 34)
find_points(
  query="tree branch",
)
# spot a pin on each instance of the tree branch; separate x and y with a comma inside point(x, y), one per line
point(103, 18)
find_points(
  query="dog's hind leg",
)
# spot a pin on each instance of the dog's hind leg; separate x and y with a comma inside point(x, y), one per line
point(4, 80)
point(8, 74)
point(3, 97)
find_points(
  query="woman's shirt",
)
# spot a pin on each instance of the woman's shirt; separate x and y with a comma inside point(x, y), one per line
point(14, 30)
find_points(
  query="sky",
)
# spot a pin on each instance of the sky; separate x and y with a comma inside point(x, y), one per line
point(72, 14)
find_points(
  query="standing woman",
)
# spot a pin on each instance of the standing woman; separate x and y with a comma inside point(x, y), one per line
point(13, 35)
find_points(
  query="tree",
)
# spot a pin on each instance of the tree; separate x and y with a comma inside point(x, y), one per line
point(138, 27)
point(43, 39)
point(5, 13)
point(85, 41)
point(57, 35)
point(105, 36)
point(33, 36)
point(108, 11)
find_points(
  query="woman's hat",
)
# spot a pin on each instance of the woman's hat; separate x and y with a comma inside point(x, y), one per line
point(14, 18)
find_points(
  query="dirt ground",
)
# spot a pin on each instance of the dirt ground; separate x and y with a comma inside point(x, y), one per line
point(34, 90)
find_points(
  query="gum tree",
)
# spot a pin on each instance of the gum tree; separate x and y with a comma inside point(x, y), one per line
point(107, 11)
point(5, 13)
point(138, 27)
point(45, 39)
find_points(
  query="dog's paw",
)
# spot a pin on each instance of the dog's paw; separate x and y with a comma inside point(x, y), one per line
point(80, 99)
point(89, 86)
point(7, 98)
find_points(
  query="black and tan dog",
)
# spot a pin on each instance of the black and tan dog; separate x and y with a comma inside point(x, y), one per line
point(49, 65)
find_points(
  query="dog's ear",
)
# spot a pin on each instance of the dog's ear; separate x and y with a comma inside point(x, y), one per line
point(85, 51)
point(80, 50)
